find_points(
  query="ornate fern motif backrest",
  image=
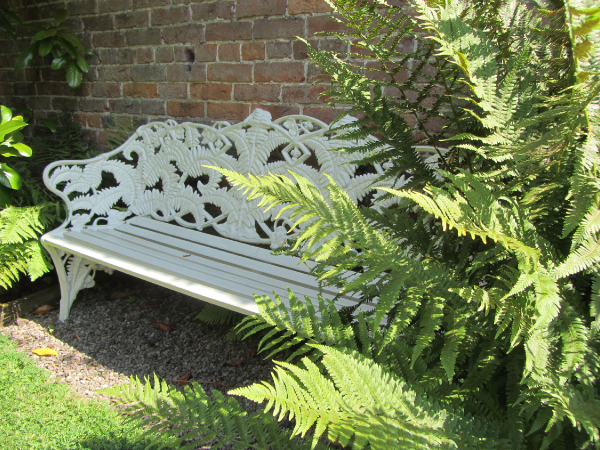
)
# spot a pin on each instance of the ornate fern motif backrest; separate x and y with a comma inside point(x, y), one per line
point(159, 172)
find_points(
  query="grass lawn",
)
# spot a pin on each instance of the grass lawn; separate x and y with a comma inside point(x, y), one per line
point(37, 414)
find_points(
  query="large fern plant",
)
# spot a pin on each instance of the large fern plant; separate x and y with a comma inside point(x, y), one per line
point(486, 327)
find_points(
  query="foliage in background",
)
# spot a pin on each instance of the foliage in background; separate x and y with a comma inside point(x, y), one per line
point(33, 210)
point(486, 330)
point(11, 144)
point(66, 50)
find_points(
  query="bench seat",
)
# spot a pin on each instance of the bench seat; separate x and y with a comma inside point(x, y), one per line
point(208, 267)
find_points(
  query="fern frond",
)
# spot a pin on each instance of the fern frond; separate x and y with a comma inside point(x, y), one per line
point(213, 314)
point(194, 415)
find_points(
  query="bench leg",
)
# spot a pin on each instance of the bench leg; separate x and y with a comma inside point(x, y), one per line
point(74, 273)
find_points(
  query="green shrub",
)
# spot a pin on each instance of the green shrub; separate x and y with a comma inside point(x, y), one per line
point(486, 328)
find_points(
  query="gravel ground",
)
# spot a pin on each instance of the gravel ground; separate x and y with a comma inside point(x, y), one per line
point(112, 334)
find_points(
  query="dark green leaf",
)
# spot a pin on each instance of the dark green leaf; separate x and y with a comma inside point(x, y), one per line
point(25, 57)
point(59, 16)
point(59, 62)
point(40, 35)
point(16, 137)
point(68, 47)
point(13, 178)
point(50, 124)
point(11, 16)
point(24, 150)
point(73, 40)
point(24, 112)
point(7, 151)
point(45, 47)
point(7, 27)
point(5, 195)
point(82, 63)
point(50, 32)
point(73, 75)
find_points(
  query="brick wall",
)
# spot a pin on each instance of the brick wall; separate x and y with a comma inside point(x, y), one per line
point(185, 59)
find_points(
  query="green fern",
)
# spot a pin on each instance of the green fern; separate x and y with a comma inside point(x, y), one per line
point(20, 249)
point(199, 418)
point(213, 314)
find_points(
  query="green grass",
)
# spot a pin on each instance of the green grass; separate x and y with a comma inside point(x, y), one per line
point(35, 413)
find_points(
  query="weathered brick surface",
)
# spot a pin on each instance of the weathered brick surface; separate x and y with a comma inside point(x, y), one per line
point(229, 52)
point(227, 111)
point(228, 31)
point(186, 72)
point(240, 73)
point(257, 92)
point(279, 50)
point(190, 59)
point(140, 90)
point(253, 8)
point(253, 51)
point(308, 6)
point(210, 91)
point(280, 72)
point(278, 28)
point(183, 34)
point(132, 19)
point(185, 109)
point(170, 16)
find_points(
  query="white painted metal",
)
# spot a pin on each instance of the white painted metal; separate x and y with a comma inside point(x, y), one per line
point(122, 206)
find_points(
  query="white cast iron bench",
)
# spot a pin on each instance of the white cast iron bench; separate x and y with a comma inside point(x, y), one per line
point(141, 209)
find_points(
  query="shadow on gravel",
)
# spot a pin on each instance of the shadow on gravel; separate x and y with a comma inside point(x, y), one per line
point(113, 332)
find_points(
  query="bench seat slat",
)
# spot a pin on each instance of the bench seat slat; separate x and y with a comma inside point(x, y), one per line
point(194, 266)
point(239, 259)
point(221, 243)
point(203, 273)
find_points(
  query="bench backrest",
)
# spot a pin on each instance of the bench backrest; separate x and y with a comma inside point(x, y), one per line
point(158, 172)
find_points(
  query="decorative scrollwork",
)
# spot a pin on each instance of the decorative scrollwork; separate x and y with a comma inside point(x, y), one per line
point(159, 172)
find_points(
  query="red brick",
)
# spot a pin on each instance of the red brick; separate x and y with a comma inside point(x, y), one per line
point(279, 50)
point(148, 72)
point(316, 74)
point(206, 52)
point(301, 49)
point(94, 120)
point(210, 91)
point(81, 7)
point(325, 114)
point(317, 24)
point(7, 89)
point(106, 90)
point(80, 119)
point(302, 94)
point(253, 8)
point(125, 106)
point(93, 105)
point(164, 55)
point(282, 72)
point(333, 45)
point(98, 23)
point(253, 51)
point(213, 11)
point(257, 92)
point(170, 16)
point(24, 89)
point(150, 36)
point(140, 90)
point(308, 6)
point(230, 72)
point(132, 19)
point(141, 4)
point(44, 88)
point(229, 52)
point(173, 90)
point(183, 34)
point(108, 6)
point(103, 137)
point(375, 73)
point(186, 72)
point(184, 54)
point(278, 111)
point(144, 55)
point(278, 28)
point(83, 90)
point(229, 31)
point(227, 111)
point(185, 109)
point(110, 39)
